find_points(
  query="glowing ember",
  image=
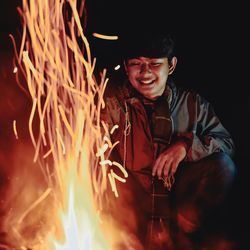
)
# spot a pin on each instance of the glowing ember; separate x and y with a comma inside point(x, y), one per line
point(117, 67)
point(105, 37)
point(15, 70)
point(14, 129)
point(72, 144)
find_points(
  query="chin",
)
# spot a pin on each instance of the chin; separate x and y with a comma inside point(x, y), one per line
point(150, 97)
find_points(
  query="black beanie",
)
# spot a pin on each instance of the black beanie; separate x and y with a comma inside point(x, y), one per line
point(154, 45)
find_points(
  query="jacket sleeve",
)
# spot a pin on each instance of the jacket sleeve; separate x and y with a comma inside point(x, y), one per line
point(208, 134)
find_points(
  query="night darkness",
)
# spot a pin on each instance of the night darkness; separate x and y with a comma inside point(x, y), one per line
point(211, 38)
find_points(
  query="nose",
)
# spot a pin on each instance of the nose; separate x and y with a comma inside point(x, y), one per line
point(145, 68)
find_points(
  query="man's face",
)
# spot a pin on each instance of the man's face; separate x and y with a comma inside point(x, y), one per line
point(148, 75)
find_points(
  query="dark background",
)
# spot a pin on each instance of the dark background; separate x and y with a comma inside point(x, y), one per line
point(212, 50)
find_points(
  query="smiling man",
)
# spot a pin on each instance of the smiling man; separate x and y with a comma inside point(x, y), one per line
point(173, 145)
point(149, 75)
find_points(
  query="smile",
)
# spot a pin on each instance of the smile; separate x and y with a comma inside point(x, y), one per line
point(146, 82)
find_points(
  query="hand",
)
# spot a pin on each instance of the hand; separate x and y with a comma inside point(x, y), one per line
point(167, 162)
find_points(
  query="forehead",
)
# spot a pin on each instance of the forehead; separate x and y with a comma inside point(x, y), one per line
point(147, 59)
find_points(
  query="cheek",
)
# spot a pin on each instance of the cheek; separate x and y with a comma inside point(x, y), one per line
point(163, 76)
point(134, 83)
point(132, 77)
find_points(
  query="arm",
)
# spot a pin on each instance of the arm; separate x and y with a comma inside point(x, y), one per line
point(208, 135)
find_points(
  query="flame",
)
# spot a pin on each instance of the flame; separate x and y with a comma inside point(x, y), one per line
point(72, 143)
point(81, 225)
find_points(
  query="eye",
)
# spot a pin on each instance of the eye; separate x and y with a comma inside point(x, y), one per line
point(134, 63)
point(155, 64)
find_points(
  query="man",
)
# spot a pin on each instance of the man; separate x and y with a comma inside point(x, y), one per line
point(173, 145)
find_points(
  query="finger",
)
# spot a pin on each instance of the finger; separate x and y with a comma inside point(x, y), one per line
point(169, 178)
point(157, 164)
point(174, 167)
point(167, 169)
point(169, 181)
point(160, 167)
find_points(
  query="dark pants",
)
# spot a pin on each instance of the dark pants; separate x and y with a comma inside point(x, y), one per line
point(199, 188)
point(202, 186)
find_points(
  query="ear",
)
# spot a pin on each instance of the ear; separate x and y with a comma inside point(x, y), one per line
point(172, 65)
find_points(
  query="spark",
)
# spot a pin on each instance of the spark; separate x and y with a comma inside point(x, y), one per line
point(105, 37)
point(15, 70)
point(105, 162)
point(125, 173)
point(105, 138)
point(117, 67)
point(113, 129)
point(67, 102)
point(102, 150)
point(15, 129)
point(32, 206)
point(48, 153)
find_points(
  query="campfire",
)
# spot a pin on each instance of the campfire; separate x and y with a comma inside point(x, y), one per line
point(62, 209)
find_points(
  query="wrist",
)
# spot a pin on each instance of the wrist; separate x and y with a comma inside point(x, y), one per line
point(183, 146)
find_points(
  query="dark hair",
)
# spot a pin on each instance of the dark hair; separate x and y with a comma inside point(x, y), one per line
point(147, 44)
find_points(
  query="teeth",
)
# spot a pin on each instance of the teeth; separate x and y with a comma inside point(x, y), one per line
point(146, 82)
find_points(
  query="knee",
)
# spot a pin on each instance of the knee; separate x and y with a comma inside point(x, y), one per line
point(224, 164)
point(188, 220)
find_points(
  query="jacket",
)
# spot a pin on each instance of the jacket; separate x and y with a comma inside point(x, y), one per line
point(192, 117)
